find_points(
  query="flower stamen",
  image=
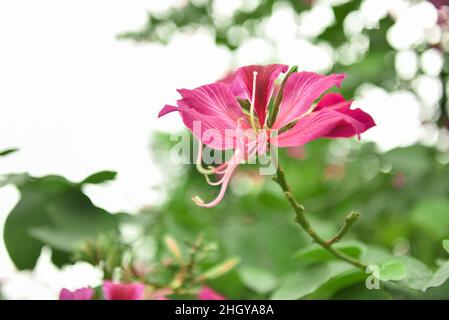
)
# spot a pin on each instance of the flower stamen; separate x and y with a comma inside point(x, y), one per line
point(199, 165)
point(253, 101)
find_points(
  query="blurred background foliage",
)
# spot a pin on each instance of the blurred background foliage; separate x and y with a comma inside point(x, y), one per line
point(402, 194)
point(361, 49)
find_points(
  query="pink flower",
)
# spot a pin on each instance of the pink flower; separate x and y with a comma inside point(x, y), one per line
point(443, 11)
point(207, 293)
point(123, 291)
point(234, 113)
point(78, 294)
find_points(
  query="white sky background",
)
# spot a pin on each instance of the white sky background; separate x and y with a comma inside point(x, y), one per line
point(76, 101)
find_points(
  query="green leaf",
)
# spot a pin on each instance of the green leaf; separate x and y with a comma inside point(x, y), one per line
point(431, 216)
point(57, 239)
point(30, 211)
point(301, 283)
point(306, 281)
point(8, 151)
point(100, 177)
point(439, 277)
point(339, 282)
point(316, 253)
point(392, 270)
point(258, 279)
point(51, 211)
point(418, 274)
point(446, 245)
point(273, 253)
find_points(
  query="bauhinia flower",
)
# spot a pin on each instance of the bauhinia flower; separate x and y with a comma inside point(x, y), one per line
point(247, 112)
point(78, 294)
point(123, 291)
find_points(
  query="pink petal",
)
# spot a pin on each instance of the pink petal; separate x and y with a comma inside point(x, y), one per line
point(266, 75)
point(232, 80)
point(214, 99)
point(329, 100)
point(78, 294)
point(211, 130)
point(123, 291)
point(211, 112)
point(337, 102)
point(326, 122)
point(207, 293)
point(301, 90)
point(166, 109)
point(348, 129)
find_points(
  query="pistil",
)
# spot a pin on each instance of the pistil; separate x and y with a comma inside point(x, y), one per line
point(253, 101)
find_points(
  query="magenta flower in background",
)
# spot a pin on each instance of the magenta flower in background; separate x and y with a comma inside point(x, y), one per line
point(78, 294)
point(207, 293)
point(443, 11)
point(123, 291)
point(234, 113)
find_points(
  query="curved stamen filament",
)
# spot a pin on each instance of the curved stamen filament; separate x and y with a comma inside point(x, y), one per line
point(253, 101)
point(199, 165)
point(224, 181)
point(243, 151)
point(214, 183)
point(220, 168)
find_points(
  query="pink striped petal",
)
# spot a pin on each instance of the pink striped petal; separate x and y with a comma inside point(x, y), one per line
point(326, 122)
point(266, 75)
point(348, 129)
point(331, 100)
point(211, 130)
point(78, 294)
point(167, 109)
point(211, 112)
point(301, 90)
point(123, 291)
point(232, 80)
point(214, 99)
point(337, 102)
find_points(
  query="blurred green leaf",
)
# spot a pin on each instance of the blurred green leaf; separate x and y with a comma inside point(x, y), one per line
point(51, 211)
point(431, 215)
point(392, 271)
point(418, 274)
point(446, 245)
point(439, 277)
point(316, 253)
point(303, 282)
point(57, 239)
point(359, 291)
point(9, 151)
point(258, 279)
point(100, 177)
point(339, 282)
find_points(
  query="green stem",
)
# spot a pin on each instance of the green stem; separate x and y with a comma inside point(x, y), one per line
point(304, 223)
point(349, 221)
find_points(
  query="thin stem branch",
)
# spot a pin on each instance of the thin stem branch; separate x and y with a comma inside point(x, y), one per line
point(349, 221)
point(304, 223)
